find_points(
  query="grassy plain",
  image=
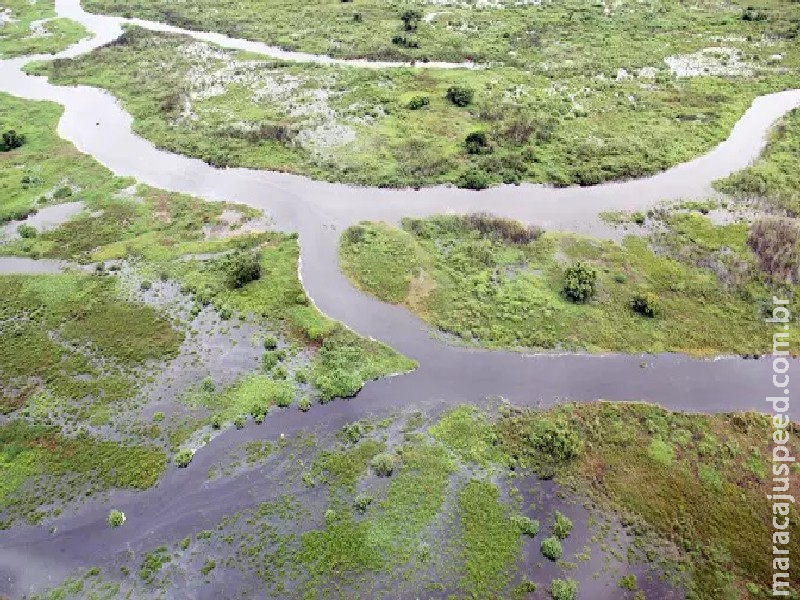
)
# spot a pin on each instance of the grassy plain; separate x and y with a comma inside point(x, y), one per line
point(570, 121)
point(500, 293)
point(31, 27)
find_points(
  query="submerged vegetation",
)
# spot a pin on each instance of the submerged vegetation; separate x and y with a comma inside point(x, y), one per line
point(554, 290)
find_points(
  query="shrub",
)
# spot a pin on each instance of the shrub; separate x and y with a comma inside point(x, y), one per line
point(11, 140)
point(401, 40)
point(383, 464)
point(477, 143)
point(579, 282)
point(270, 342)
point(27, 231)
point(361, 502)
point(115, 518)
point(474, 179)
point(239, 421)
point(561, 589)
point(562, 526)
point(551, 548)
point(304, 404)
point(183, 458)
point(526, 525)
point(460, 96)
point(270, 359)
point(418, 102)
point(279, 373)
point(628, 582)
point(241, 268)
point(353, 432)
point(216, 422)
point(410, 19)
point(645, 303)
point(555, 440)
point(158, 417)
point(208, 385)
point(283, 400)
point(301, 375)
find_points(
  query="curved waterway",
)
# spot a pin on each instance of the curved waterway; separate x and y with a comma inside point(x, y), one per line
point(98, 125)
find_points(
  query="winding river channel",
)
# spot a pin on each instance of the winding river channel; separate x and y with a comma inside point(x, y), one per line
point(98, 125)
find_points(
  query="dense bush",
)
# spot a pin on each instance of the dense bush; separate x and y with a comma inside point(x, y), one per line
point(526, 525)
point(474, 179)
point(410, 19)
point(362, 502)
point(579, 282)
point(383, 464)
point(561, 589)
point(241, 268)
point(183, 458)
point(418, 102)
point(115, 518)
point(477, 143)
point(562, 526)
point(304, 404)
point(460, 95)
point(554, 440)
point(11, 140)
point(645, 303)
point(27, 231)
point(551, 548)
point(270, 342)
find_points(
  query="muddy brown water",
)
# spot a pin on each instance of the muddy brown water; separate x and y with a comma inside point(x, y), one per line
point(184, 501)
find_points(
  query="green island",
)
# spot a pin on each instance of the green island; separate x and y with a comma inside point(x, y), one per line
point(621, 96)
point(31, 27)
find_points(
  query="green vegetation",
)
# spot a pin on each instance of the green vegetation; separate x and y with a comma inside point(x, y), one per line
point(561, 589)
point(653, 466)
point(115, 518)
point(551, 548)
point(586, 98)
point(774, 177)
point(39, 466)
point(494, 282)
point(562, 526)
point(32, 28)
point(183, 458)
point(491, 540)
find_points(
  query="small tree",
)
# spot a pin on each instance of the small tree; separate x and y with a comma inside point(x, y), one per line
point(418, 102)
point(562, 526)
point(551, 548)
point(645, 303)
point(561, 589)
point(11, 140)
point(477, 143)
point(460, 95)
point(304, 404)
point(115, 518)
point(411, 19)
point(526, 525)
point(579, 282)
point(241, 268)
point(383, 464)
point(183, 458)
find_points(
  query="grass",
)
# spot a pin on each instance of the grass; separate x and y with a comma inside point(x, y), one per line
point(491, 540)
point(774, 175)
point(498, 293)
point(40, 466)
point(19, 38)
point(565, 118)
